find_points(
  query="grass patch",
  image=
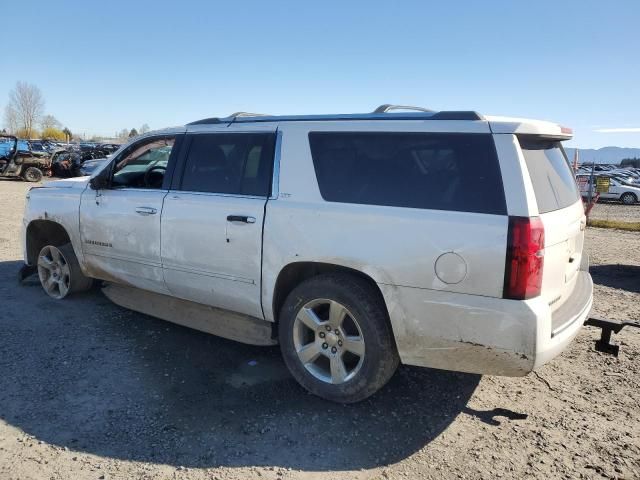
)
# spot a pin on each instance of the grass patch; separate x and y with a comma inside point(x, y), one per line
point(628, 226)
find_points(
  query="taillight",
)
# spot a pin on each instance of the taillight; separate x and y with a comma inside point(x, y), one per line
point(525, 258)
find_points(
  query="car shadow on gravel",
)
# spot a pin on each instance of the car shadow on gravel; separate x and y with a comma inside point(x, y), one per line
point(624, 277)
point(92, 377)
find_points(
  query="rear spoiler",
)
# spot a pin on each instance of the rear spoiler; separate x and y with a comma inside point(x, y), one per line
point(523, 126)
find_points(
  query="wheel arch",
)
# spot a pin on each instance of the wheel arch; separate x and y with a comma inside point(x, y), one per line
point(292, 274)
point(43, 232)
point(633, 194)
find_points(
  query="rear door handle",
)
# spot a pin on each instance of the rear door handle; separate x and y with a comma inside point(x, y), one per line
point(241, 218)
point(146, 210)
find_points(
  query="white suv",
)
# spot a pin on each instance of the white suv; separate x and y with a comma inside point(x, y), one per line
point(440, 239)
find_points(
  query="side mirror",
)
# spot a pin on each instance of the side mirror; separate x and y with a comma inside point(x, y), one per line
point(100, 181)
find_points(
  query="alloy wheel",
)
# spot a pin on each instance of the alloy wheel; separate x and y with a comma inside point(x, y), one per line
point(328, 341)
point(54, 272)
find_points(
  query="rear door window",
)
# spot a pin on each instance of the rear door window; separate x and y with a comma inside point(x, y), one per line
point(237, 163)
point(440, 171)
point(551, 175)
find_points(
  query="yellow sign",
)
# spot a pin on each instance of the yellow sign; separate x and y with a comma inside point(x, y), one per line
point(602, 184)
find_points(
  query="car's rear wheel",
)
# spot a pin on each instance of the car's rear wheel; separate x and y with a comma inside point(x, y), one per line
point(336, 338)
point(59, 272)
point(628, 198)
point(32, 174)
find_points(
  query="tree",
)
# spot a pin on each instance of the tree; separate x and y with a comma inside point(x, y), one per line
point(144, 128)
point(133, 133)
point(123, 134)
point(67, 134)
point(26, 103)
point(10, 119)
point(53, 133)
point(49, 121)
point(23, 133)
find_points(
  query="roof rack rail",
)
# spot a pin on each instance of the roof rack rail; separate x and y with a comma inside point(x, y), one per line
point(247, 114)
point(387, 107)
point(206, 121)
point(230, 119)
point(457, 115)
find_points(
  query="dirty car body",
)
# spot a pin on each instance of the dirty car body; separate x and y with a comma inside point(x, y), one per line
point(465, 231)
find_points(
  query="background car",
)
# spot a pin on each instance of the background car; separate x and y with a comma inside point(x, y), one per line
point(627, 193)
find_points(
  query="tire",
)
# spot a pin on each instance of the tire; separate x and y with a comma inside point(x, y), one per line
point(59, 272)
point(313, 348)
point(32, 174)
point(628, 198)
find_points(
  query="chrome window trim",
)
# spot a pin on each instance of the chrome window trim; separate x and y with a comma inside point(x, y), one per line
point(213, 194)
point(135, 189)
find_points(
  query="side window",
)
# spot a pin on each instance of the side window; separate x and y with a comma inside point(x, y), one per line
point(439, 171)
point(143, 164)
point(236, 163)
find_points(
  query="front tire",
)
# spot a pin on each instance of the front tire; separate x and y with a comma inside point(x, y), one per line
point(336, 338)
point(59, 272)
point(32, 174)
point(628, 198)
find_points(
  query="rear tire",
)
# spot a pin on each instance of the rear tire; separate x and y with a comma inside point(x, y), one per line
point(32, 174)
point(59, 272)
point(336, 338)
point(628, 198)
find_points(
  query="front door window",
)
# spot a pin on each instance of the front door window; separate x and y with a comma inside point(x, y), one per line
point(143, 164)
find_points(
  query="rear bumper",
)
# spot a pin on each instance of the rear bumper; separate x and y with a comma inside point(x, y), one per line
point(566, 321)
point(476, 334)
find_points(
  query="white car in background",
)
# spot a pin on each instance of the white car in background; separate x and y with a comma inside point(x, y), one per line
point(627, 193)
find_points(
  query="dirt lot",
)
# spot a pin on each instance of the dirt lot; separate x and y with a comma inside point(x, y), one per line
point(616, 211)
point(91, 391)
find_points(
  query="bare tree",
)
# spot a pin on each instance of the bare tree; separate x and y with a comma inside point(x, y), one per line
point(144, 128)
point(10, 119)
point(49, 121)
point(27, 102)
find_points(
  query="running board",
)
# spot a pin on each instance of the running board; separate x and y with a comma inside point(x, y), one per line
point(223, 323)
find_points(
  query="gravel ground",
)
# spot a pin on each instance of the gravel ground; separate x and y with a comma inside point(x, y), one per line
point(616, 211)
point(89, 390)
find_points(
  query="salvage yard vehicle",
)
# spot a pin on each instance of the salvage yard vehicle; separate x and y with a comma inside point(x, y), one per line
point(66, 163)
point(447, 239)
point(617, 189)
point(17, 163)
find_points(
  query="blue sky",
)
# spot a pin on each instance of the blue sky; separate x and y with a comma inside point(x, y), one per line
point(104, 66)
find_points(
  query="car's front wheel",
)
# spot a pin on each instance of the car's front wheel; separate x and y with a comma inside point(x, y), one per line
point(59, 271)
point(336, 338)
point(628, 198)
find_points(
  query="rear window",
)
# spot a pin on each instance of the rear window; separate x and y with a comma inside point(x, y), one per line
point(439, 171)
point(553, 182)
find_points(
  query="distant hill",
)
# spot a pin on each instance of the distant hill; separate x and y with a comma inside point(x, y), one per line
point(604, 155)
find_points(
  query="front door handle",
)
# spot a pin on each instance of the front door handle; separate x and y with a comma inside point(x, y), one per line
point(146, 210)
point(241, 218)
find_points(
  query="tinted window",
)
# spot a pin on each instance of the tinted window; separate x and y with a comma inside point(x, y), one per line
point(551, 175)
point(236, 163)
point(417, 170)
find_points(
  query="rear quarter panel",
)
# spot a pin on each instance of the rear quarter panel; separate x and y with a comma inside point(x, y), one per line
point(394, 246)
